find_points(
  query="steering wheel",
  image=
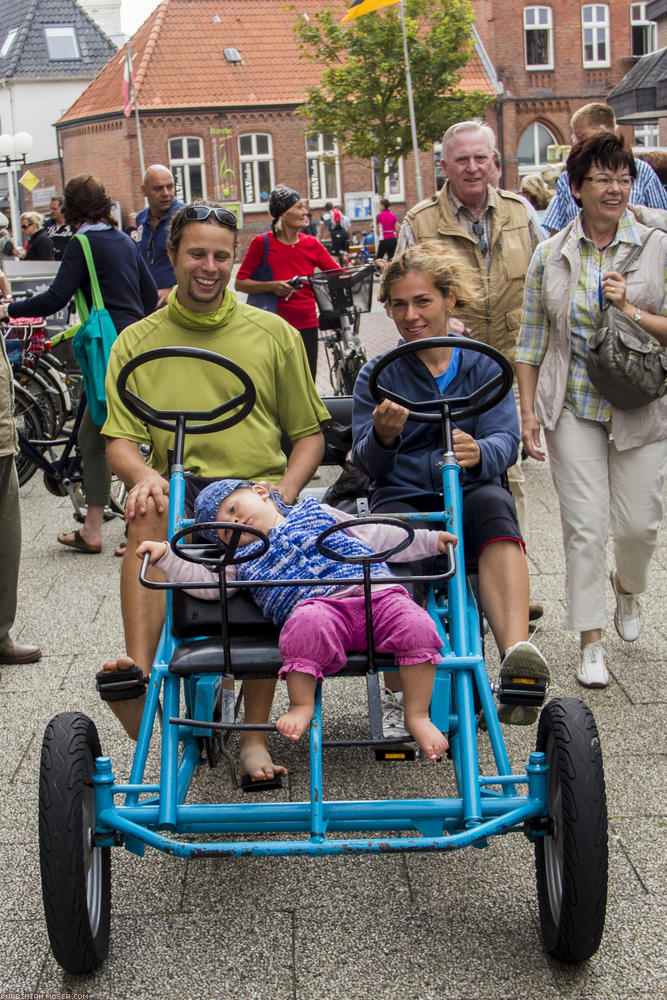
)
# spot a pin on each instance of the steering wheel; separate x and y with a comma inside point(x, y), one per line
point(211, 554)
point(214, 420)
point(459, 407)
point(372, 557)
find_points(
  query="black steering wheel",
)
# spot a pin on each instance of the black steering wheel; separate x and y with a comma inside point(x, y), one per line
point(213, 555)
point(459, 407)
point(372, 557)
point(166, 420)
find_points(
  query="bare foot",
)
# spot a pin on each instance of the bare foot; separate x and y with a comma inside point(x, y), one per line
point(254, 758)
point(129, 713)
point(293, 723)
point(430, 739)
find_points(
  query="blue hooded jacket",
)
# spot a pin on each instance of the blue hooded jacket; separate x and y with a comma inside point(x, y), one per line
point(410, 466)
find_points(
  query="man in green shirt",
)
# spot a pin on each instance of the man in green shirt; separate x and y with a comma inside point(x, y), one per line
point(202, 312)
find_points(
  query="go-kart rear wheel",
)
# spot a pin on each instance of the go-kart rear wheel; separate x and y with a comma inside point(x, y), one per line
point(571, 862)
point(76, 875)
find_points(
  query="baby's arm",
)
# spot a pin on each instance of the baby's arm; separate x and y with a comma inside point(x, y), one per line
point(384, 536)
point(156, 549)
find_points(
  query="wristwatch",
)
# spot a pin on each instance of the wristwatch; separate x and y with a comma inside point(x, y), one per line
point(637, 315)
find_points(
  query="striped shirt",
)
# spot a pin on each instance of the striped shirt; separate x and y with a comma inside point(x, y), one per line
point(646, 190)
point(581, 397)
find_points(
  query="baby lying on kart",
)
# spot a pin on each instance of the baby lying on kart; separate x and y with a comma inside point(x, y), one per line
point(319, 625)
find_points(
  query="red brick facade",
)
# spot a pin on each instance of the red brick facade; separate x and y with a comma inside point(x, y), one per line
point(548, 97)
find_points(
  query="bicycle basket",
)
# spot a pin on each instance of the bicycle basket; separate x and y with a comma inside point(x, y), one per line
point(340, 291)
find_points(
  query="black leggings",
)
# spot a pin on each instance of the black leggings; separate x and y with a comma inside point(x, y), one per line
point(310, 342)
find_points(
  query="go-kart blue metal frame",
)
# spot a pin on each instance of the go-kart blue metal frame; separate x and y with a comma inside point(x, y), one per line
point(157, 815)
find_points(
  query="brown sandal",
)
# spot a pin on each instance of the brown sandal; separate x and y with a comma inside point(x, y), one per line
point(73, 540)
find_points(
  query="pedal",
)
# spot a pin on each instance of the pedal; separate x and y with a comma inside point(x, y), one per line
point(400, 751)
point(249, 784)
point(527, 691)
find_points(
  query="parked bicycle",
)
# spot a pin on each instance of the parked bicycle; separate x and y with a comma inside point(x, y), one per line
point(342, 296)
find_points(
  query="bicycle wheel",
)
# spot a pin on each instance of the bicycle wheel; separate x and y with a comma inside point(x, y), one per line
point(28, 420)
point(571, 862)
point(76, 875)
point(352, 365)
point(117, 496)
point(56, 380)
point(45, 395)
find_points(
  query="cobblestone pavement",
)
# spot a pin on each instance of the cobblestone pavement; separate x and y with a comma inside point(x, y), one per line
point(403, 927)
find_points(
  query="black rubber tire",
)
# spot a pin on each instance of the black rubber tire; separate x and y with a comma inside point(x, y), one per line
point(46, 396)
point(571, 863)
point(351, 368)
point(76, 876)
point(28, 420)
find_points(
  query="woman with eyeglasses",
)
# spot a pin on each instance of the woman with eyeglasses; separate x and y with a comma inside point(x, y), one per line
point(290, 254)
point(39, 245)
point(607, 464)
point(129, 294)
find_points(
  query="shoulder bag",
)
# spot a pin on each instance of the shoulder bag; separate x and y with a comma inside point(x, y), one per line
point(264, 300)
point(93, 340)
point(627, 366)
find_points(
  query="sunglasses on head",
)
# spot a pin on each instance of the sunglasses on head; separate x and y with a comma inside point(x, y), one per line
point(200, 213)
point(478, 230)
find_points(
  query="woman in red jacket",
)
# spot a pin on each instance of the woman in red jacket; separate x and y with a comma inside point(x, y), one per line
point(290, 254)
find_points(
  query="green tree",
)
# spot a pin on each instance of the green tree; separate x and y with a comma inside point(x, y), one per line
point(362, 97)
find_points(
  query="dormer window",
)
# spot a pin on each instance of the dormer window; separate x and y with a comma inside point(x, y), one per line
point(61, 42)
point(233, 56)
point(8, 42)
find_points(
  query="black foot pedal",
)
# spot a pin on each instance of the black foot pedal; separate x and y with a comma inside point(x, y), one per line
point(248, 784)
point(526, 691)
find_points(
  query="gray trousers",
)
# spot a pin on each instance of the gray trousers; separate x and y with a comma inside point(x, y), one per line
point(10, 546)
point(96, 473)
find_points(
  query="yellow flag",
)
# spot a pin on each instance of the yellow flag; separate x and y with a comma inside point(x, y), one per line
point(29, 181)
point(358, 7)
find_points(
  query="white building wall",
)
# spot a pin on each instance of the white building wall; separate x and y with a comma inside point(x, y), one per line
point(106, 13)
point(34, 106)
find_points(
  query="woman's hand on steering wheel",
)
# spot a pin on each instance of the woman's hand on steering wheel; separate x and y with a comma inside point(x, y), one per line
point(389, 420)
point(466, 450)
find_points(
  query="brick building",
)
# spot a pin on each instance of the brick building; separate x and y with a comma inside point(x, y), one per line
point(551, 59)
point(218, 85)
point(640, 98)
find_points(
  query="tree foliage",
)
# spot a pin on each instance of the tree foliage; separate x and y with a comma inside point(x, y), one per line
point(362, 97)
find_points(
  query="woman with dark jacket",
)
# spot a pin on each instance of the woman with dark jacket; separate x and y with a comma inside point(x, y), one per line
point(129, 294)
point(420, 287)
point(40, 244)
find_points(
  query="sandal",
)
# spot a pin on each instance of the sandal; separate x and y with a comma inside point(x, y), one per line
point(74, 540)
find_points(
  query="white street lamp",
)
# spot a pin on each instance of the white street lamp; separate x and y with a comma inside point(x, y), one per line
point(13, 152)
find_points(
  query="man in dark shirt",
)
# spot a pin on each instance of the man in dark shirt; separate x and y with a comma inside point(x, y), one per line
point(153, 226)
point(57, 228)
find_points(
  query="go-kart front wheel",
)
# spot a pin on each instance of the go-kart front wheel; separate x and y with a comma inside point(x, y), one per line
point(571, 862)
point(76, 875)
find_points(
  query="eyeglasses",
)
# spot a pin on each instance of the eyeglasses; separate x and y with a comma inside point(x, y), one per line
point(200, 213)
point(606, 180)
point(478, 230)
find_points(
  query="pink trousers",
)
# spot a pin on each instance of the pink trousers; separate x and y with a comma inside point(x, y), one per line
point(322, 630)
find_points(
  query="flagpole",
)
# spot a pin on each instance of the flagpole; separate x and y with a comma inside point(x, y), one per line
point(411, 107)
point(139, 139)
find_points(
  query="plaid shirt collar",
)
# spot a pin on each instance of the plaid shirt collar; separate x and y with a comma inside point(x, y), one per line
point(626, 231)
point(462, 211)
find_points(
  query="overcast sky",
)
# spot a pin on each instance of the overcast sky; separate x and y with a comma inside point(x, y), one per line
point(133, 13)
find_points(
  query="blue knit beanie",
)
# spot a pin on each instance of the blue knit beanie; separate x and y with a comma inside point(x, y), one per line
point(210, 498)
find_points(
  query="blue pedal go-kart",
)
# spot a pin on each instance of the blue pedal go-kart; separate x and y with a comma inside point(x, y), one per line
point(558, 801)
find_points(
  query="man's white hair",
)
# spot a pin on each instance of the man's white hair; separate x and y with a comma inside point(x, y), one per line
point(474, 125)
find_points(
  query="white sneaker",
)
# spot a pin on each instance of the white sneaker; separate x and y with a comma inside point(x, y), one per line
point(592, 671)
point(393, 720)
point(626, 616)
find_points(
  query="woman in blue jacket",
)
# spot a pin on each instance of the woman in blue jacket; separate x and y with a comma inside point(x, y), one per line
point(420, 287)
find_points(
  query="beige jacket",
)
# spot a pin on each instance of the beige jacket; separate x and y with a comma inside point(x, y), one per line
point(496, 317)
point(8, 439)
point(645, 288)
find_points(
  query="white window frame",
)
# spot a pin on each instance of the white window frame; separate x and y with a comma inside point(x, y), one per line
point(316, 169)
point(647, 136)
point(638, 19)
point(54, 31)
point(398, 195)
point(536, 166)
point(546, 25)
point(599, 23)
point(8, 42)
point(251, 161)
point(181, 165)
